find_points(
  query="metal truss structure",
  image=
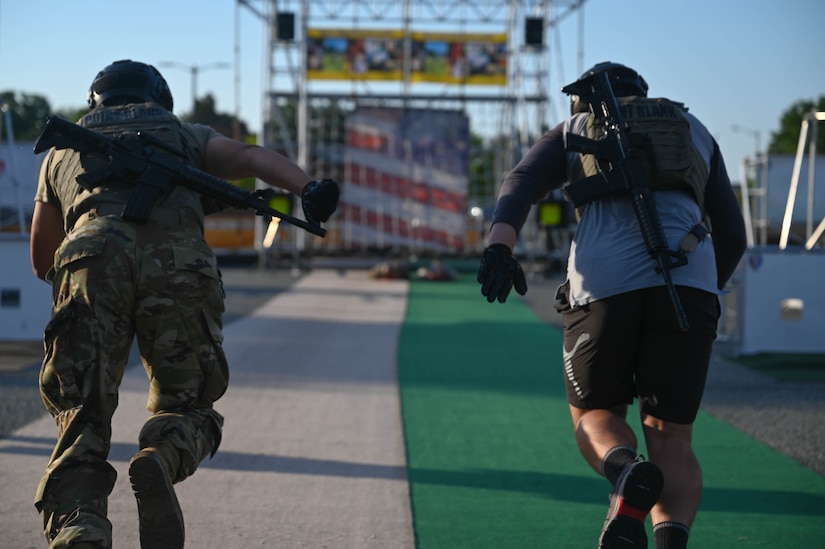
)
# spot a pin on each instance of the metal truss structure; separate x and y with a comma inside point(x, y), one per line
point(509, 117)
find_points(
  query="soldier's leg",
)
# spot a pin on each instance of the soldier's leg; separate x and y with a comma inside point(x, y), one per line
point(172, 445)
point(673, 372)
point(87, 346)
point(600, 342)
point(179, 332)
point(178, 324)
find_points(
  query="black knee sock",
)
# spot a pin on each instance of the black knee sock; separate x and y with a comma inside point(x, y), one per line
point(616, 459)
point(671, 535)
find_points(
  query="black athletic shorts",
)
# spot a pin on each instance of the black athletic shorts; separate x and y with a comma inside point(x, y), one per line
point(629, 346)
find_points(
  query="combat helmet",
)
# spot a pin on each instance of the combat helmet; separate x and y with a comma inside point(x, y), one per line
point(131, 81)
point(623, 80)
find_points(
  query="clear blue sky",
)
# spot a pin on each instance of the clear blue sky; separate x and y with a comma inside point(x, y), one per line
point(733, 62)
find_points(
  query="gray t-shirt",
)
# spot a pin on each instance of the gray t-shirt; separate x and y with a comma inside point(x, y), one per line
point(608, 254)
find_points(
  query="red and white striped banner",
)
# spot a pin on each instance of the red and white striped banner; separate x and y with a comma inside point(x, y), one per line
point(405, 179)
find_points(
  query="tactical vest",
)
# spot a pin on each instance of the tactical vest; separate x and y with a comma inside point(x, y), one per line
point(119, 121)
point(660, 134)
point(145, 117)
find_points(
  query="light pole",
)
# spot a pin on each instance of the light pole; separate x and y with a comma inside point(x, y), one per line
point(760, 181)
point(194, 70)
point(756, 134)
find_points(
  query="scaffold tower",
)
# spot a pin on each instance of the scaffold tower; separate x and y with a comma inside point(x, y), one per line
point(321, 106)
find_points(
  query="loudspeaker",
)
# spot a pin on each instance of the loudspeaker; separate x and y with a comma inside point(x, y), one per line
point(534, 31)
point(286, 25)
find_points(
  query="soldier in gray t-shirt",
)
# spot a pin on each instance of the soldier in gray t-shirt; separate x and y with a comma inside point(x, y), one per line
point(621, 338)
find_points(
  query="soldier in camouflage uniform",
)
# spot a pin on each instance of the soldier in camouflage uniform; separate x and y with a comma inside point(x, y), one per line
point(116, 280)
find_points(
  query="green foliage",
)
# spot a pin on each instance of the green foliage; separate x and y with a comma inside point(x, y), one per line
point(72, 114)
point(786, 139)
point(486, 167)
point(205, 112)
point(326, 127)
point(29, 113)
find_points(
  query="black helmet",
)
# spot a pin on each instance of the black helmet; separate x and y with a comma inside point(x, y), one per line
point(131, 81)
point(624, 80)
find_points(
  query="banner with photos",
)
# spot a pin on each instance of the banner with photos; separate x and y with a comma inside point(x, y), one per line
point(334, 54)
point(347, 55)
point(459, 58)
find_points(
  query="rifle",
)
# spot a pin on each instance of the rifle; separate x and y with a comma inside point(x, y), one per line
point(626, 173)
point(153, 167)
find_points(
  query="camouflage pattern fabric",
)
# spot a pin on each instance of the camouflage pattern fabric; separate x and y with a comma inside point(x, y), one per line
point(112, 281)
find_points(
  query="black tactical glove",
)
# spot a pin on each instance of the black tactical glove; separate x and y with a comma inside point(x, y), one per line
point(320, 199)
point(499, 272)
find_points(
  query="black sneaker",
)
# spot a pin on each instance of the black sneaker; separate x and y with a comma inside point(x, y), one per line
point(637, 491)
point(161, 520)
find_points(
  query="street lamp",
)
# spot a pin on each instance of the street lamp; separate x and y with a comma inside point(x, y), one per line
point(194, 70)
point(756, 134)
point(761, 184)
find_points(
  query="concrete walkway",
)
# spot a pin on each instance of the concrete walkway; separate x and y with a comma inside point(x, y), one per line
point(313, 452)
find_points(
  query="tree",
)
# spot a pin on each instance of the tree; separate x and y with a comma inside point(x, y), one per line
point(205, 112)
point(73, 114)
point(487, 164)
point(29, 113)
point(786, 139)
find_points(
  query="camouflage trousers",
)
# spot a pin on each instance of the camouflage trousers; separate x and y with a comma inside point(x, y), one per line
point(114, 282)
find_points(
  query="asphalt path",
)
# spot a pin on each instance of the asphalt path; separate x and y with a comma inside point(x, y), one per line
point(312, 453)
point(247, 287)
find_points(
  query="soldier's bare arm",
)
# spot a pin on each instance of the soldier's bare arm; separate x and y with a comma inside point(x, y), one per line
point(230, 159)
point(46, 235)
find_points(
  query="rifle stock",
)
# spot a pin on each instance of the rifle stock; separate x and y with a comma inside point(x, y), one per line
point(152, 167)
point(627, 173)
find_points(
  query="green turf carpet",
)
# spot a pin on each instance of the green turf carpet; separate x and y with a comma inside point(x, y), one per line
point(492, 459)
